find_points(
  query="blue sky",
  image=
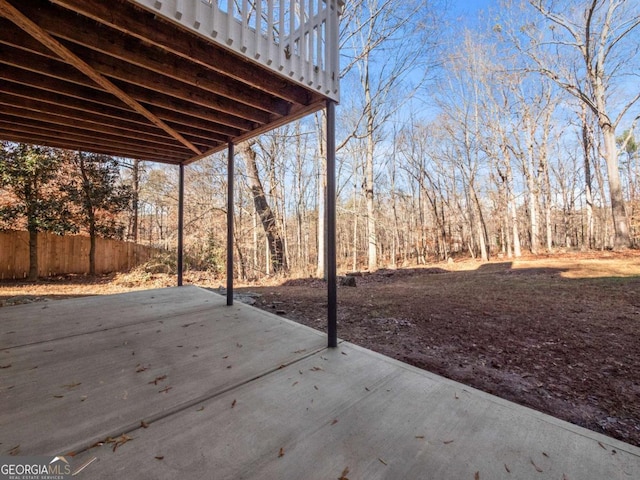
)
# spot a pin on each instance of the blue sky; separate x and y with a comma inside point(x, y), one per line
point(470, 6)
point(467, 11)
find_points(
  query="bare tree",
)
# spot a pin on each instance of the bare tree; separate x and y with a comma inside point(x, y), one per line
point(589, 48)
point(263, 209)
point(372, 28)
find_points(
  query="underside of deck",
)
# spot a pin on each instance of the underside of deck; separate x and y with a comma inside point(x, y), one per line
point(119, 79)
point(173, 383)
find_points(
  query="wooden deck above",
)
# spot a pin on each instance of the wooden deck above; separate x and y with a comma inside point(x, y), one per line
point(147, 80)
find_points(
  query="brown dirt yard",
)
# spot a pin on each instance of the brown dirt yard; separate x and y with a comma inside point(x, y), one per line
point(557, 333)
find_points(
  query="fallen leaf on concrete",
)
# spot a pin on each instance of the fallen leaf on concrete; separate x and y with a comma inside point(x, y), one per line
point(447, 442)
point(200, 409)
point(507, 468)
point(420, 437)
point(119, 441)
point(159, 457)
point(601, 445)
point(15, 450)
point(316, 369)
point(144, 424)
point(158, 379)
point(344, 474)
point(538, 469)
point(8, 365)
point(476, 476)
point(382, 461)
point(335, 420)
point(141, 368)
point(58, 396)
point(281, 452)
point(72, 385)
point(233, 404)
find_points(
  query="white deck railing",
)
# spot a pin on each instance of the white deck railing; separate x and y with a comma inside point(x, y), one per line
point(296, 38)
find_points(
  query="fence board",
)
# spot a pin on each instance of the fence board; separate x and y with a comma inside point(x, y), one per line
point(58, 255)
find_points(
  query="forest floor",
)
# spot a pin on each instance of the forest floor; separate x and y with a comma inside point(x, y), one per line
point(558, 333)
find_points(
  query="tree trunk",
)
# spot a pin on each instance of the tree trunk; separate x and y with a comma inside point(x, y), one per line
point(620, 224)
point(320, 124)
point(355, 224)
point(92, 247)
point(543, 173)
point(371, 218)
point(369, 176)
point(33, 254)
point(134, 201)
point(90, 211)
point(587, 147)
point(533, 196)
point(274, 239)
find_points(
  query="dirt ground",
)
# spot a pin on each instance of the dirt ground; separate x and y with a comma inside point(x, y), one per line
point(559, 334)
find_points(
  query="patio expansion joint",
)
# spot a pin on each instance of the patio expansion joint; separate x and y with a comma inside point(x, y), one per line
point(107, 329)
point(81, 448)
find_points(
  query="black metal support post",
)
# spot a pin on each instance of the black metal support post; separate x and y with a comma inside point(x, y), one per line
point(230, 164)
point(180, 223)
point(332, 291)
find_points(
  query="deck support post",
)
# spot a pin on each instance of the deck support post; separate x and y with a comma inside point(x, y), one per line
point(332, 291)
point(180, 223)
point(230, 168)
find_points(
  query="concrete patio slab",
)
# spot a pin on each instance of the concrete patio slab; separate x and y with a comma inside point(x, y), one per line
point(83, 387)
point(287, 408)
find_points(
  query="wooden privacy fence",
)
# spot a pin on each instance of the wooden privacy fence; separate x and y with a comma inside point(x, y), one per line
point(66, 254)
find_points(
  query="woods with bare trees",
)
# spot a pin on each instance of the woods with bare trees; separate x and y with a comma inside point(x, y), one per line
point(518, 136)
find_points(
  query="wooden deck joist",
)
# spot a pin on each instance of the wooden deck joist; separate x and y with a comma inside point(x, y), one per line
point(114, 78)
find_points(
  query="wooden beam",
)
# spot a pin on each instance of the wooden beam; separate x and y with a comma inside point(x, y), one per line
point(293, 116)
point(21, 137)
point(51, 101)
point(13, 14)
point(88, 124)
point(132, 74)
point(63, 24)
point(135, 78)
point(55, 106)
point(49, 71)
point(73, 138)
point(149, 27)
